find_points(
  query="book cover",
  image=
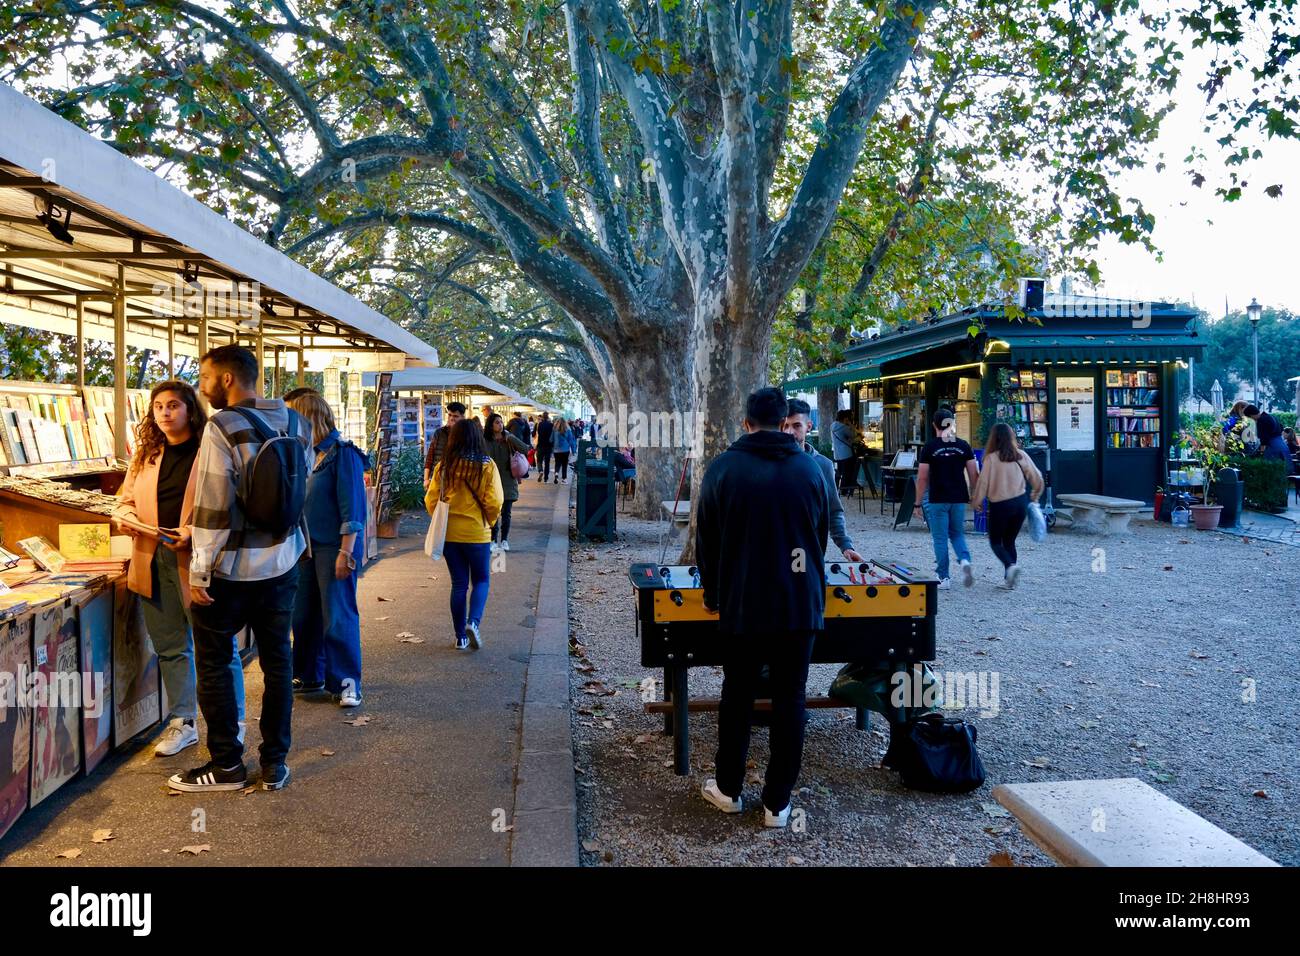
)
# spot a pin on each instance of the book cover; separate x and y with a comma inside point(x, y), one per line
point(10, 438)
point(56, 723)
point(28, 433)
point(78, 541)
point(43, 552)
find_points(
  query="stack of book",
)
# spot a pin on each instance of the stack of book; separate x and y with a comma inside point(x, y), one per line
point(46, 427)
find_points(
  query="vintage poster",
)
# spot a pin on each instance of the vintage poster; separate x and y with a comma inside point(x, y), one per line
point(56, 699)
point(1075, 408)
point(15, 719)
point(137, 695)
point(96, 619)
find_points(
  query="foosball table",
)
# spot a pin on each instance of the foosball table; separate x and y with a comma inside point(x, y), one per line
point(877, 612)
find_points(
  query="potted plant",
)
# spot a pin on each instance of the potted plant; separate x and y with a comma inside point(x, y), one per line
point(1209, 445)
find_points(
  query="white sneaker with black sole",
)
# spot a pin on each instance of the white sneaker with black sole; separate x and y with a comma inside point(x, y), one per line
point(349, 700)
point(945, 584)
point(475, 638)
point(210, 777)
point(726, 804)
point(505, 545)
point(180, 733)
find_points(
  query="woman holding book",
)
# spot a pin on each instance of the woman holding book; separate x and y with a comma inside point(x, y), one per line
point(157, 507)
point(1010, 480)
point(468, 481)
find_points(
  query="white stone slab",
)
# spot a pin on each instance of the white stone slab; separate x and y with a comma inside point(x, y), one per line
point(1120, 822)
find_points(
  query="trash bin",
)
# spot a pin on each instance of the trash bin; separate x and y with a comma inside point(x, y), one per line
point(597, 515)
point(1229, 491)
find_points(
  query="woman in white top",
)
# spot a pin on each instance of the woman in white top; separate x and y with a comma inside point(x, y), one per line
point(1010, 480)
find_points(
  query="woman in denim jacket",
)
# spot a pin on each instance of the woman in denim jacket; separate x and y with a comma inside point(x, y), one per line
point(326, 624)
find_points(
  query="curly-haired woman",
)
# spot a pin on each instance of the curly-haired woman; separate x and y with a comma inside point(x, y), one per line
point(159, 493)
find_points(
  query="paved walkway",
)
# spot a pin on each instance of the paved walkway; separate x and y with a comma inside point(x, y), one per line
point(1280, 529)
point(449, 770)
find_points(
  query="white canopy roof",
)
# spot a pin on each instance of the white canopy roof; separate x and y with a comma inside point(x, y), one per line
point(123, 215)
point(445, 379)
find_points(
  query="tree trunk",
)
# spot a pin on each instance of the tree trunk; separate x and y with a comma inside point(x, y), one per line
point(732, 353)
point(828, 403)
point(654, 417)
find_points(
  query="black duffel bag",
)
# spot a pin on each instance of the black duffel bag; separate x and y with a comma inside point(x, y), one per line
point(936, 753)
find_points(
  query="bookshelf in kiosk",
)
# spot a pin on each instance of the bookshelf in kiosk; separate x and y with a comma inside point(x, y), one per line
point(1021, 398)
point(1132, 409)
point(50, 430)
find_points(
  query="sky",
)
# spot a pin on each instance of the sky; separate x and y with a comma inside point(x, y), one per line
point(1211, 248)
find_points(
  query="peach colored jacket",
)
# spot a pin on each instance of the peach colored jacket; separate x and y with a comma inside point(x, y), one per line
point(139, 501)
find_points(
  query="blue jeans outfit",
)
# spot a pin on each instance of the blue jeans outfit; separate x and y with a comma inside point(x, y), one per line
point(466, 562)
point(326, 624)
point(168, 623)
point(947, 521)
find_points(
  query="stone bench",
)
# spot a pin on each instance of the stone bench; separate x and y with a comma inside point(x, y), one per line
point(1120, 822)
point(1100, 513)
point(682, 513)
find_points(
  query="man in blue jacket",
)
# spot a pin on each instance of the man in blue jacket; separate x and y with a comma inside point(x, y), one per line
point(761, 529)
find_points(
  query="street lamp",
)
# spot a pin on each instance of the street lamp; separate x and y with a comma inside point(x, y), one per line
point(1253, 312)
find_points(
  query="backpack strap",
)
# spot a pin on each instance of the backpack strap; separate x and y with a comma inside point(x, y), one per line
point(257, 422)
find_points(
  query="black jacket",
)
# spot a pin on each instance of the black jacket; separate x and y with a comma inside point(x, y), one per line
point(545, 428)
point(760, 532)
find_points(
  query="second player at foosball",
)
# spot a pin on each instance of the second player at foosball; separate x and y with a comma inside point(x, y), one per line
point(761, 528)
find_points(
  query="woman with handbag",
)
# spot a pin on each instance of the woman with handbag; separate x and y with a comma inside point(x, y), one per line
point(326, 622)
point(1010, 481)
point(465, 497)
point(159, 493)
point(503, 446)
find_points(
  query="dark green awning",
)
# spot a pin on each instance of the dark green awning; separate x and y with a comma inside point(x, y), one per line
point(849, 372)
point(1135, 348)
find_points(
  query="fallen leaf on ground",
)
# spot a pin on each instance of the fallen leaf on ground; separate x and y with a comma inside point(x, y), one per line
point(591, 846)
point(1087, 680)
point(359, 721)
point(608, 856)
point(995, 810)
point(412, 640)
point(101, 836)
point(641, 739)
point(1197, 655)
point(249, 789)
point(1263, 794)
point(794, 860)
point(389, 600)
point(1067, 663)
point(1147, 683)
point(1040, 762)
point(384, 618)
point(68, 854)
point(327, 753)
point(1137, 744)
point(196, 850)
point(607, 724)
point(1001, 859)
point(1167, 567)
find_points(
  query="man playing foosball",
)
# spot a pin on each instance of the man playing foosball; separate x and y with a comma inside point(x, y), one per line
point(761, 529)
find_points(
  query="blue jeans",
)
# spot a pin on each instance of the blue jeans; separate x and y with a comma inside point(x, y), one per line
point(267, 607)
point(465, 562)
point(168, 623)
point(326, 624)
point(947, 521)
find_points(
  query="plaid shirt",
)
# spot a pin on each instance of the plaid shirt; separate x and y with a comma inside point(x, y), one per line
point(222, 544)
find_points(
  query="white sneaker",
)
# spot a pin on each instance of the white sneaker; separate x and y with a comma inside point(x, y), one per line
point(726, 804)
point(505, 545)
point(945, 584)
point(475, 639)
point(1013, 576)
point(495, 548)
point(240, 736)
point(180, 733)
point(350, 699)
point(967, 575)
point(776, 820)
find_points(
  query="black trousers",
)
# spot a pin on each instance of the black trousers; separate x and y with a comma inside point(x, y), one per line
point(846, 474)
point(787, 656)
point(266, 607)
point(544, 462)
point(1005, 521)
point(562, 465)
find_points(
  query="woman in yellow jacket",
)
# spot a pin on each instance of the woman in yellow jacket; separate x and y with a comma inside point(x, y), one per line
point(468, 481)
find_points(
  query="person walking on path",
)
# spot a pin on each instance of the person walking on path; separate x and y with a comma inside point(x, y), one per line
point(469, 482)
point(519, 428)
point(761, 529)
point(545, 445)
point(159, 492)
point(243, 574)
point(945, 465)
point(326, 623)
point(455, 412)
point(1010, 480)
point(842, 438)
point(566, 444)
point(501, 445)
point(798, 421)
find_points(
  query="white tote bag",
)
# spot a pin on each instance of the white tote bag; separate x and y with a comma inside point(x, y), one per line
point(437, 536)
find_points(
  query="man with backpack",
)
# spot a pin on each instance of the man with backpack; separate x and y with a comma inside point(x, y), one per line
point(249, 533)
point(545, 446)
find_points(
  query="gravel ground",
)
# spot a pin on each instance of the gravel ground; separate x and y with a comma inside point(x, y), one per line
point(1127, 663)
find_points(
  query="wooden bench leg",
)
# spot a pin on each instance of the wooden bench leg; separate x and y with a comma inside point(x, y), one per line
point(681, 729)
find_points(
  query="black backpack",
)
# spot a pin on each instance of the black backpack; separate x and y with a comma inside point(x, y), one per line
point(272, 490)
